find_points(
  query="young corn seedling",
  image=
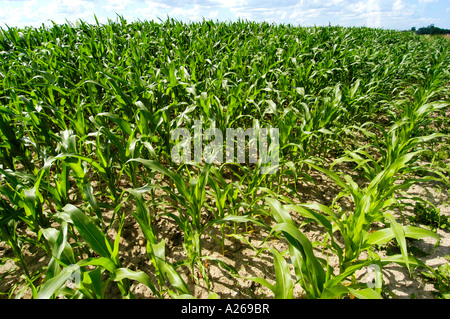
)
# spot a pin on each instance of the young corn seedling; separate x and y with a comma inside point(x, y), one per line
point(192, 201)
point(371, 204)
point(90, 283)
point(156, 249)
point(314, 274)
point(190, 219)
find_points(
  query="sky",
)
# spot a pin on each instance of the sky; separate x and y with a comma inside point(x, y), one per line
point(387, 14)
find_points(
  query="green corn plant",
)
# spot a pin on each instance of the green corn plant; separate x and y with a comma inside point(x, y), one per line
point(370, 203)
point(192, 199)
point(155, 249)
point(190, 218)
point(283, 287)
point(90, 283)
point(314, 274)
point(221, 192)
point(12, 147)
point(71, 165)
point(22, 203)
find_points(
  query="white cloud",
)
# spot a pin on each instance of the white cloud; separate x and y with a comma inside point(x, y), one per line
point(213, 14)
point(155, 5)
point(398, 5)
point(22, 13)
point(116, 5)
point(231, 3)
point(373, 13)
point(192, 14)
point(427, 21)
point(358, 8)
point(368, 11)
point(151, 10)
point(60, 10)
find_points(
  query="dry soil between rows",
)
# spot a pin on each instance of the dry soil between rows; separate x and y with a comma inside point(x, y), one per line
point(244, 256)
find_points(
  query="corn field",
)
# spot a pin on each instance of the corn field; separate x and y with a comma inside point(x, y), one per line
point(94, 206)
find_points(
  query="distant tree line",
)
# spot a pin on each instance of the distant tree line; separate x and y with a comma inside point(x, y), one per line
point(431, 29)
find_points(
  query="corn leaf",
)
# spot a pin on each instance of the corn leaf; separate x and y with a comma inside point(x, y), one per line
point(91, 234)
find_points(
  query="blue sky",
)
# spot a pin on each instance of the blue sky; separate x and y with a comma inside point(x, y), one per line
point(395, 14)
